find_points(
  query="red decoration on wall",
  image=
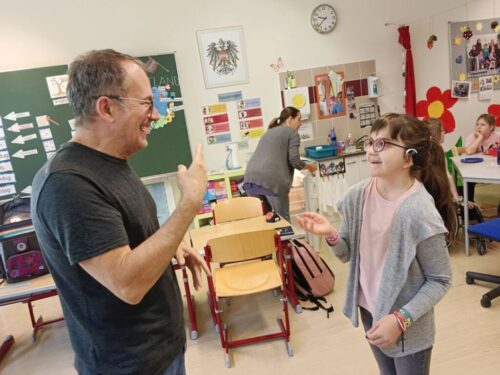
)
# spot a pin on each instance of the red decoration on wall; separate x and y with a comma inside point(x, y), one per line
point(436, 106)
point(410, 96)
point(494, 110)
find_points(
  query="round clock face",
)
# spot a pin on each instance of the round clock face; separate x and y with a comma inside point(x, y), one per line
point(323, 18)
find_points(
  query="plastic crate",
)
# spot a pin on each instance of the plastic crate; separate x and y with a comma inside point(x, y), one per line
point(322, 151)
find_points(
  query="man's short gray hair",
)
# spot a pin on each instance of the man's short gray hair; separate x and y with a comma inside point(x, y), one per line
point(96, 73)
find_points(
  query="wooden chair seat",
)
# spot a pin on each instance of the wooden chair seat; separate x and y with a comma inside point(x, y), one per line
point(247, 278)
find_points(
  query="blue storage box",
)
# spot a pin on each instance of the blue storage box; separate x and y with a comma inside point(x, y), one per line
point(321, 151)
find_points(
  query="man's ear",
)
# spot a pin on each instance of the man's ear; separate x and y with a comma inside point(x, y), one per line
point(104, 108)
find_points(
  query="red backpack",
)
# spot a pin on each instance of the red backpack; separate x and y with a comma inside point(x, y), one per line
point(312, 277)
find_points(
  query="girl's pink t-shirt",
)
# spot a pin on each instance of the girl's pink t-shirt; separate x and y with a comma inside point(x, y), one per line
point(492, 141)
point(378, 216)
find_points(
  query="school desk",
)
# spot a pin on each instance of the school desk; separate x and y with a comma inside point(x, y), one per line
point(27, 292)
point(201, 236)
point(486, 171)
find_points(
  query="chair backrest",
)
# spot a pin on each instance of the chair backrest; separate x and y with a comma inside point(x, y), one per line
point(243, 246)
point(237, 209)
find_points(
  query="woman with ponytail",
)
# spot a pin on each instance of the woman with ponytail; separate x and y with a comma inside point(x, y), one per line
point(269, 173)
point(393, 234)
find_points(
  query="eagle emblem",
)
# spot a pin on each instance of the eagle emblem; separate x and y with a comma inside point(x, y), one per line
point(223, 56)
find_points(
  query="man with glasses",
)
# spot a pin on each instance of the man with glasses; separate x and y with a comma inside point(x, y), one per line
point(97, 226)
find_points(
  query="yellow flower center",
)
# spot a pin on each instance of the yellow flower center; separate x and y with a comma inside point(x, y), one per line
point(435, 109)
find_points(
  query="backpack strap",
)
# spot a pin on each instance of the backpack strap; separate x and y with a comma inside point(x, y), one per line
point(318, 305)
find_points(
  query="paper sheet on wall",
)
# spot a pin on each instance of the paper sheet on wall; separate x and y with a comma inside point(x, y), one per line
point(298, 98)
point(485, 88)
point(306, 131)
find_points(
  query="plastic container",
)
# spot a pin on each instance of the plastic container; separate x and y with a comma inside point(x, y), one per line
point(322, 151)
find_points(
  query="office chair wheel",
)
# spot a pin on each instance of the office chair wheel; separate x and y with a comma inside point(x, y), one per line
point(289, 349)
point(469, 280)
point(194, 335)
point(298, 309)
point(485, 301)
point(481, 246)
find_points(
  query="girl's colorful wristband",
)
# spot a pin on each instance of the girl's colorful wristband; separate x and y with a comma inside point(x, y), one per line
point(332, 239)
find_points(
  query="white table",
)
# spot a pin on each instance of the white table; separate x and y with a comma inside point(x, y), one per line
point(487, 172)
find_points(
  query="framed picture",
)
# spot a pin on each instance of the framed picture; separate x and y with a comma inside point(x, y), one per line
point(460, 89)
point(330, 94)
point(223, 56)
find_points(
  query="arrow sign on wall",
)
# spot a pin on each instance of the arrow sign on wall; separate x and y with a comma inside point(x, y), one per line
point(16, 128)
point(21, 153)
point(20, 139)
point(13, 116)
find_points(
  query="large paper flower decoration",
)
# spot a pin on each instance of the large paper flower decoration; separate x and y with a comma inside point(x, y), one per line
point(494, 110)
point(437, 106)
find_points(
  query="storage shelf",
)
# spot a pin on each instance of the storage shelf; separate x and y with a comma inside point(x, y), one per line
point(225, 176)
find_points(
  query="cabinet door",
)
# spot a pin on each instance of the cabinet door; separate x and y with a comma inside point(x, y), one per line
point(363, 168)
point(351, 170)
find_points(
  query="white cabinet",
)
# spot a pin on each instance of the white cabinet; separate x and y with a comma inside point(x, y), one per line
point(356, 169)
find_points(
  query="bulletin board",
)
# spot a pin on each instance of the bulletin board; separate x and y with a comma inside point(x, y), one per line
point(475, 52)
point(35, 120)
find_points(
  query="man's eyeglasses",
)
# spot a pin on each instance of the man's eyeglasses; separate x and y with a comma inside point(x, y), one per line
point(148, 102)
point(379, 144)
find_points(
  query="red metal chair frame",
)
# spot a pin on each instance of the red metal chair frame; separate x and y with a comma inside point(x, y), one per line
point(284, 260)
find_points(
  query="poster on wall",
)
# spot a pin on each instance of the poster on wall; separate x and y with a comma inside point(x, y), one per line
point(298, 98)
point(216, 123)
point(475, 51)
point(250, 118)
point(367, 114)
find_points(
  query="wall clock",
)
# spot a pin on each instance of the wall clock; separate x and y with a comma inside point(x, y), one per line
point(323, 18)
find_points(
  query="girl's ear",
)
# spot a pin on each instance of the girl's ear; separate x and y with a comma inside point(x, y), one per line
point(410, 154)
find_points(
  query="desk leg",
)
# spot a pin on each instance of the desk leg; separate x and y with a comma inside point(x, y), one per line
point(292, 296)
point(466, 218)
point(38, 323)
point(5, 347)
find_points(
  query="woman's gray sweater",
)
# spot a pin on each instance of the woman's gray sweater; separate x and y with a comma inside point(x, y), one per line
point(274, 160)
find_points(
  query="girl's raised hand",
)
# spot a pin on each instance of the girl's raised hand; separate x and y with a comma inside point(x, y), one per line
point(316, 223)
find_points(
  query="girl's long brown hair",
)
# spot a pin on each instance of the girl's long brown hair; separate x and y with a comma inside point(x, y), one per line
point(428, 164)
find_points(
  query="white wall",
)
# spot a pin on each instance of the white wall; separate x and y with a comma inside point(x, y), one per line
point(51, 32)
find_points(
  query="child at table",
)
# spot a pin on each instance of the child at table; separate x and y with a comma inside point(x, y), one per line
point(482, 139)
point(437, 132)
point(393, 234)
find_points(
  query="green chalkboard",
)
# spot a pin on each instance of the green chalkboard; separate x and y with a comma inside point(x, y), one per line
point(35, 120)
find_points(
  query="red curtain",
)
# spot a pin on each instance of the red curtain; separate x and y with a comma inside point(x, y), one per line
point(410, 96)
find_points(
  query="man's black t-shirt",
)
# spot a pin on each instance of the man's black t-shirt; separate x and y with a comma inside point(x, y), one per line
point(84, 204)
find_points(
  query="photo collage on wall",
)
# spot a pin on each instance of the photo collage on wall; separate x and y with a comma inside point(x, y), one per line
point(475, 58)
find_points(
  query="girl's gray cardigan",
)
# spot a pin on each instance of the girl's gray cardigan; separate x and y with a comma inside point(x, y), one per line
point(417, 270)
